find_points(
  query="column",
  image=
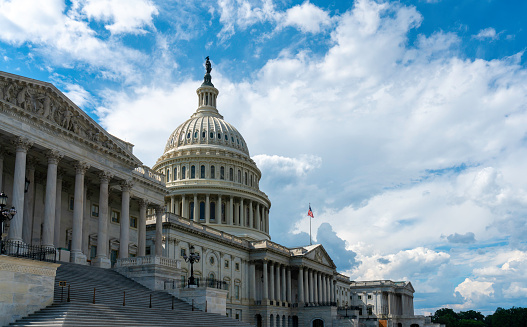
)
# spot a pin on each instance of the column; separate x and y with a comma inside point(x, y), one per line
point(289, 297)
point(333, 295)
point(58, 209)
point(231, 209)
point(236, 214)
point(124, 239)
point(258, 216)
point(207, 208)
point(324, 289)
point(172, 203)
point(266, 220)
point(265, 280)
point(271, 282)
point(76, 255)
point(317, 289)
point(252, 276)
point(50, 201)
point(284, 285)
point(2, 155)
point(176, 208)
point(251, 215)
point(306, 286)
point(141, 232)
point(184, 207)
point(218, 210)
point(278, 282)
point(15, 228)
point(159, 231)
point(311, 287)
point(102, 259)
point(300, 284)
point(29, 200)
point(242, 213)
point(196, 206)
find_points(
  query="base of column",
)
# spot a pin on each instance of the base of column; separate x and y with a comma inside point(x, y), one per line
point(78, 257)
point(101, 262)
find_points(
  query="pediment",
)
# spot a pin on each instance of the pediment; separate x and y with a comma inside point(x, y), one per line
point(318, 253)
point(43, 103)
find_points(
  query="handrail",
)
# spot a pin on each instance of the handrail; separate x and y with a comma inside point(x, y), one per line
point(27, 251)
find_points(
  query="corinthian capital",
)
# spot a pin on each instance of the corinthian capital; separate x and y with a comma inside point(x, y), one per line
point(81, 167)
point(105, 176)
point(126, 186)
point(54, 157)
point(143, 203)
point(22, 144)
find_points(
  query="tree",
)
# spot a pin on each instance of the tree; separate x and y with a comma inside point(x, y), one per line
point(446, 316)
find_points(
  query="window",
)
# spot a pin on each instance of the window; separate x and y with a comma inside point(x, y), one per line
point(183, 172)
point(93, 251)
point(196, 134)
point(360, 311)
point(168, 175)
point(252, 177)
point(71, 203)
point(203, 134)
point(183, 252)
point(147, 250)
point(212, 172)
point(237, 266)
point(222, 172)
point(133, 222)
point(226, 137)
point(237, 293)
point(211, 260)
point(231, 175)
point(213, 211)
point(188, 135)
point(360, 297)
point(219, 136)
point(193, 172)
point(369, 296)
point(202, 210)
point(95, 210)
point(175, 173)
point(202, 172)
point(239, 176)
point(370, 311)
point(191, 210)
point(246, 178)
point(226, 264)
point(116, 216)
point(211, 135)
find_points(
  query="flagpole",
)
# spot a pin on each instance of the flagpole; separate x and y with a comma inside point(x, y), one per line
point(310, 242)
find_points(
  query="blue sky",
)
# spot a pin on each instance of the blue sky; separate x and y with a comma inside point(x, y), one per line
point(403, 123)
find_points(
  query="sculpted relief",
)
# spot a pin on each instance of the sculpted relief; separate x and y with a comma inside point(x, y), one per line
point(43, 102)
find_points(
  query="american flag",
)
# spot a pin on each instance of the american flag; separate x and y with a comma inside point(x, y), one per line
point(310, 212)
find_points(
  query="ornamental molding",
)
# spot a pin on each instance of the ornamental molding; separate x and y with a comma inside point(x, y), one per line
point(44, 107)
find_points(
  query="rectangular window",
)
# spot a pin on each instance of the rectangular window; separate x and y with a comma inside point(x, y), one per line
point(116, 216)
point(226, 263)
point(370, 311)
point(147, 250)
point(133, 222)
point(93, 251)
point(183, 252)
point(237, 266)
point(369, 296)
point(95, 210)
point(360, 297)
point(237, 292)
point(71, 203)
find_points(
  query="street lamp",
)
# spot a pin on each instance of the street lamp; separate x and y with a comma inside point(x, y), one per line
point(192, 258)
point(5, 214)
point(346, 310)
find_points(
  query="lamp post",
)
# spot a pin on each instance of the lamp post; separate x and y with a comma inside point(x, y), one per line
point(346, 311)
point(191, 258)
point(5, 215)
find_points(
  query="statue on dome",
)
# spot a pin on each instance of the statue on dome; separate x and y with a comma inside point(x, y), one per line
point(207, 80)
point(208, 65)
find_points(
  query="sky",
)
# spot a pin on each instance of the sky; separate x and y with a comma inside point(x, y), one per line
point(402, 123)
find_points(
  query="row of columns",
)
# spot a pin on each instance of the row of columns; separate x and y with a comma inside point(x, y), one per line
point(314, 286)
point(52, 206)
point(258, 217)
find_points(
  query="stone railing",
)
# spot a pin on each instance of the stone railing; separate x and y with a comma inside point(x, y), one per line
point(216, 182)
point(148, 260)
point(378, 283)
point(265, 244)
point(148, 173)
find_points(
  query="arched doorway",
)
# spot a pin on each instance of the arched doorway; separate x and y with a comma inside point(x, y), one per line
point(295, 321)
point(318, 323)
point(414, 325)
point(258, 319)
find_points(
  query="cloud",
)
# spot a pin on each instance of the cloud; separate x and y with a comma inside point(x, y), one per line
point(487, 33)
point(473, 291)
point(465, 238)
point(284, 166)
point(336, 247)
point(242, 14)
point(306, 17)
point(124, 16)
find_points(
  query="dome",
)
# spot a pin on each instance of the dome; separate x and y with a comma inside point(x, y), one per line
point(207, 129)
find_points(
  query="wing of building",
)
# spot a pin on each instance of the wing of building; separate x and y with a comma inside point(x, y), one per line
point(81, 192)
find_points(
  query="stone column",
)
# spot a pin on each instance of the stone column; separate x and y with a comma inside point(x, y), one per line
point(176, 208)
point(196, 206)
point(2, 155)
point(258, 216)
point(252, 282)
point(278, 294)
point(318, 297)
point(159, 231)
point(251, 215)
point(300, 286)
point(306, 285)
point(184, 207)
point(102, 259)
point(19, 178)
point(124, 239)
point(333, 293)
point(311, 287)
point(271, 282)
point(267, 220)
point(76, 255)
point(141, 231)
point(29, 202)
point(58, 209)
point(48, 225)
point(324, 289)
point(218, 210)
point(231, 211)
point(284, 284)
point(207, 208)
point(265, 289)
point(242, 214)
point(172, 203)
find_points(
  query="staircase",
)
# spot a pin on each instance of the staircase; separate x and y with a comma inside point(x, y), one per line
point(119, 301)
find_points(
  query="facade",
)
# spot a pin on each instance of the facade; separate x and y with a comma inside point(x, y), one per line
point(92, 199)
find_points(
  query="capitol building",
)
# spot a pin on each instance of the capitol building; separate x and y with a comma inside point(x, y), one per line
point(80, 190)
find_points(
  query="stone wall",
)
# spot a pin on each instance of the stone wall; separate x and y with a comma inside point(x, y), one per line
point(26, 286)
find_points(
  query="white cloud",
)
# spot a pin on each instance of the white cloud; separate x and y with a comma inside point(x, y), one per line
point(306, 17)
point(242, 14)
point(124, 16)
point(78, 95)
point(487, 33)
point(284, 165)
point(473, 292)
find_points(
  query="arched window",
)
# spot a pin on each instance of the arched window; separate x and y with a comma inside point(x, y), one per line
point(219, 136)
point(211, 135)
point(202, 210)
point(222, 172)
point(231, 175)
point(239, 176)
point(245, 178)
point(213, 211)
point(175, 173)
point(226, 137)
point(202, 172)
point(203, 134)
point(188, 135)
point(168, 175)
point(183, 172)
point(196, 134)
point(212, 172)
point(318, 323)
point(193, 172)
